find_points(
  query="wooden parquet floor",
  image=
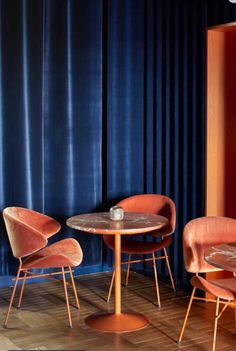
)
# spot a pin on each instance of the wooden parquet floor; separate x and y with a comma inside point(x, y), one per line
point(41, 323)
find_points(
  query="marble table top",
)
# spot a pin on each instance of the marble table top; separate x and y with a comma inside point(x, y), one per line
point(133, 223)
point(222, 256)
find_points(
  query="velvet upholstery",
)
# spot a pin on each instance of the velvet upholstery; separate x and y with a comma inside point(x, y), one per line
point(64, 253)
point(149, 203)
point(153, 204)
point(40, 222)
point(199, 235)
point(202, 233)
point(222, 288)
point(28, 230)
point(130, 246)
point(28, 233)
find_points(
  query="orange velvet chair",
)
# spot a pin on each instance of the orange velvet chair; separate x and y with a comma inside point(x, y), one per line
point(28, 233)
point(199, 235)
point(149, 203)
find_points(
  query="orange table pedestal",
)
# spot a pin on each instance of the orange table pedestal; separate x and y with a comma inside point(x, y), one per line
point(119, 323)
point(133, 223)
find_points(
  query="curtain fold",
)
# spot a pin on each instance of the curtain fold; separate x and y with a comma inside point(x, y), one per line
point(100, 100)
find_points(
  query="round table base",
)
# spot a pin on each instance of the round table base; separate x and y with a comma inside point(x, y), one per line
point(117, 323)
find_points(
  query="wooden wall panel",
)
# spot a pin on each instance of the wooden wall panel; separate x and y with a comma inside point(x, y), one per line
point(221, 124)
point(215, 124)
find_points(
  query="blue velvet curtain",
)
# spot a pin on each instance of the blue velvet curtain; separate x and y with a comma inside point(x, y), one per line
point(101, 99)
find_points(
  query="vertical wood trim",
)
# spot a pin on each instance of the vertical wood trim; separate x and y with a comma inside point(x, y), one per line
point(215, 124)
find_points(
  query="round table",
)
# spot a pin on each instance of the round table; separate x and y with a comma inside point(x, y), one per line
point(133, 223)
point(222, 256)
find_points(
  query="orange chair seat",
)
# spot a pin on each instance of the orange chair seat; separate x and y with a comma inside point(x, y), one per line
point(222, 288)
point(130, 246)
point(66, 252)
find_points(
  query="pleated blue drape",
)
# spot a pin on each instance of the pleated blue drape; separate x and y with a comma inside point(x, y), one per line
point(99, 100)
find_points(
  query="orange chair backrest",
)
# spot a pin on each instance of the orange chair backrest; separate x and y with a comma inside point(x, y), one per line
point(152, 203)
point(27, 230)
point(200, 234)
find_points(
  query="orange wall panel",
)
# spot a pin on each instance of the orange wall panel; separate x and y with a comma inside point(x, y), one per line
point(221, 125)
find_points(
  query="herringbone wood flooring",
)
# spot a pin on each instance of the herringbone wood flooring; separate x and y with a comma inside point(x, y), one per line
point(41, 323)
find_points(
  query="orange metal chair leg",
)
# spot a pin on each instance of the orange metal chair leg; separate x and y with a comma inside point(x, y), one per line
point(156, 279)
point(186, 316)
point(234, 274)
point(111, 286)
point(215, 324)
point(235, 313)
point(22, 289)
point(74, 288)
point(12, 296)
point(66, 296)
point(128, 270)
point(169, 269)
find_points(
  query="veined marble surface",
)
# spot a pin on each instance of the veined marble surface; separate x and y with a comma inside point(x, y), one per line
point(133, 223)
point(222, 256)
